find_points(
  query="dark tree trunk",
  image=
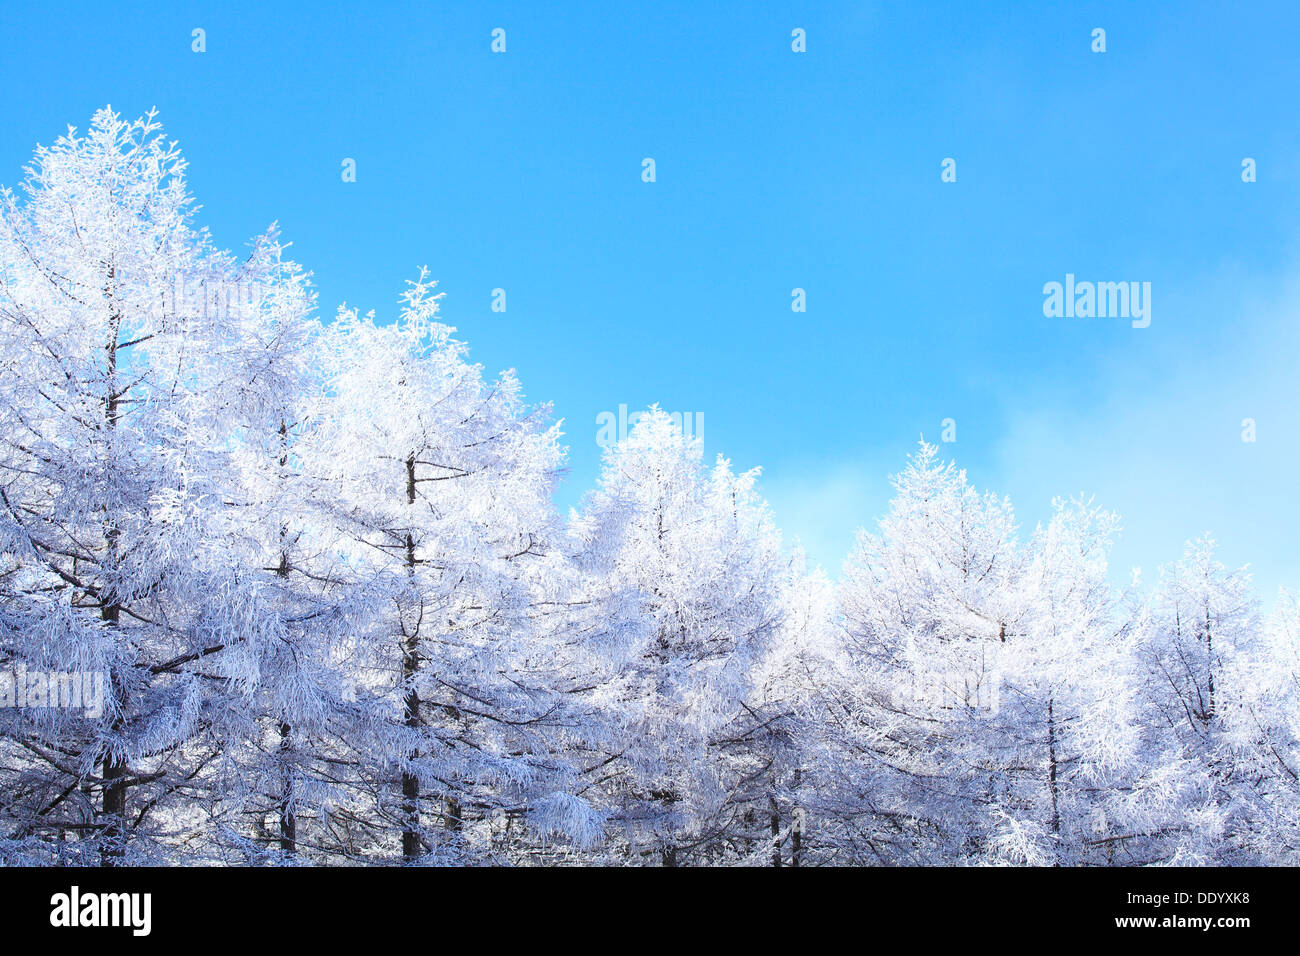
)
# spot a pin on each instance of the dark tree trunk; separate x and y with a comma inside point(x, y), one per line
point(411, 716)
point(288, 822)
point(1051, 765)
point(1209, 663)
point(796, 828)
point(113, 845)
point(776, 831)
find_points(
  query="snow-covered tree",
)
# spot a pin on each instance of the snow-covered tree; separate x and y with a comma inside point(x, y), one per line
point(277, 590)
point(114, 443)
point(442, 483)
point(1261, 710)
point(792, 685)
point(927, 607)
point(697, 551)
point(1064, 731)
point(1191, 802)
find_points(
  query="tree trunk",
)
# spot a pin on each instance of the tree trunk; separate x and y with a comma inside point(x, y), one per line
point(776, 831)
point(288, 822)
point(796, 826)
point(113, 845)
point(411, 716)
point(1051, 765)
point(1209, 662)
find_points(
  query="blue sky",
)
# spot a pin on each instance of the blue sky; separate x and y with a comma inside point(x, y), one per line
point(778, 170)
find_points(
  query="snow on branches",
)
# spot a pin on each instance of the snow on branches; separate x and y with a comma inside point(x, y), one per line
point(275, 589)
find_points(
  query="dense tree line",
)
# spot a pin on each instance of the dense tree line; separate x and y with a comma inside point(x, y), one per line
point(339, 620)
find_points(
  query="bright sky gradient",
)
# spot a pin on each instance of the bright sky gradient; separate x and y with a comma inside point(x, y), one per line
point(778, 170)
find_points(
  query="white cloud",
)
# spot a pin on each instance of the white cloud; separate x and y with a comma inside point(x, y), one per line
point(1162, 446)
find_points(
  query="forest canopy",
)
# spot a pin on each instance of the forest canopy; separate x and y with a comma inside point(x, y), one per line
point(276, 589)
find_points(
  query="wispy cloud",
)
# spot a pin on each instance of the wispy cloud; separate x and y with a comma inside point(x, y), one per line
point(823, 503)
point(1163, 446)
